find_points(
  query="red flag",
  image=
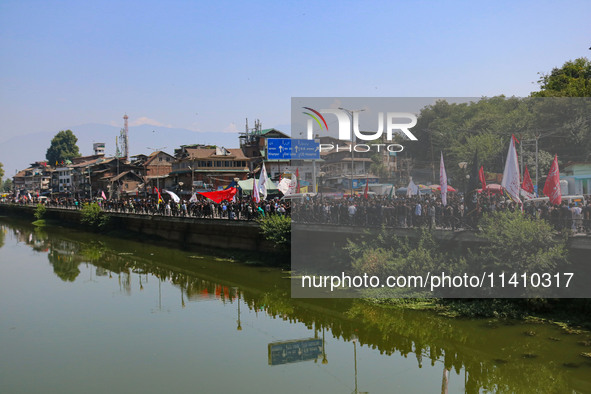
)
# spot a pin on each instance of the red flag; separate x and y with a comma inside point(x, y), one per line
point(366, 188)
point(552, 185)
point(159, 196)
point(220, 195)
point(527, 184)
point(481, 177)
point(298, 180)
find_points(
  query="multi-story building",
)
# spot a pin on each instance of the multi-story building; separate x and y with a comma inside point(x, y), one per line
point(35, 180)
point(63, 175)
point(201, 166)
point(344, 169)
point(157, 167)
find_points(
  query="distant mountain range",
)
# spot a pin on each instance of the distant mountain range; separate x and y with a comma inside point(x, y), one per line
point(18, 152)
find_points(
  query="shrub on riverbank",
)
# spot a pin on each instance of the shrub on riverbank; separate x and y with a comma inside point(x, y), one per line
point(39, 214)
point(514, 243)
point(277, 230)
point(93, 216)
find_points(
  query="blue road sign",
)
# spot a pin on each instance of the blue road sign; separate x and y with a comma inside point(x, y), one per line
point(291, 149)
point(278, 149)
point(305, 150)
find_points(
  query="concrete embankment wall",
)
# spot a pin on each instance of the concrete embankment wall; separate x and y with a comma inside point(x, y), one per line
point(316, 237)
point(209, 233)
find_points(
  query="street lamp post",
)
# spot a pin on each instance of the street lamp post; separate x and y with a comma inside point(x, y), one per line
point(351, 114)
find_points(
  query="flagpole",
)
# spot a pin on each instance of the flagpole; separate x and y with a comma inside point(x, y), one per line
point(537, 186)
point(521, 156)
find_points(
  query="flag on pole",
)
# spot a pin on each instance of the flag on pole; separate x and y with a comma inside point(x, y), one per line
point(481, 177)
point(159, 196)
point(473, 184)
point(193, 198)
point(263, 183)
point(366, 188)
point(511, 173)
point(174, 197)
point(391, 192)
point(255, 191)
point(103, 195)
point(220, 195)
point(443, 181)
point(527, 187)
point(297, 180)
point(412, 189)
point(287, 186)
point(552, 185)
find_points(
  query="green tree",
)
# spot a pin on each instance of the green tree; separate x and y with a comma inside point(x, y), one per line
point(1, 172)
point(7, 185)
point(573, 79)
point(63, 147)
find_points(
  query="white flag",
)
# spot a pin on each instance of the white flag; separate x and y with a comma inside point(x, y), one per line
point(193, 198)
point(412, 189)
point(287, 186)
point(263, 183)
point(511, 182)
point(175, 198)
point(443, 181)
point(255, 191)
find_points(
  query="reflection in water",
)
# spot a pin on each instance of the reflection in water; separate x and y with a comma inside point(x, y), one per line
point(287, 352)
point(492, 356)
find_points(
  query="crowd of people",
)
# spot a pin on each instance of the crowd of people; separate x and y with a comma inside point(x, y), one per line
point(240, 209)
point(399, 211)
point(429, 211)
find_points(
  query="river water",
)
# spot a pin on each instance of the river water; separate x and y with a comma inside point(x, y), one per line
point(87, 313)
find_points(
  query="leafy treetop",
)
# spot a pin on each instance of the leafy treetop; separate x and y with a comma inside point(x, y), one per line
point(63, 147)
point(573, 79)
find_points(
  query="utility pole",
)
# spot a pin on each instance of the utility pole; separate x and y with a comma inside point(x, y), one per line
point(351, 114)
point(89, 183)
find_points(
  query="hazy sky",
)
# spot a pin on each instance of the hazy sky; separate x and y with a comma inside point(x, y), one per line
point(206, 66)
